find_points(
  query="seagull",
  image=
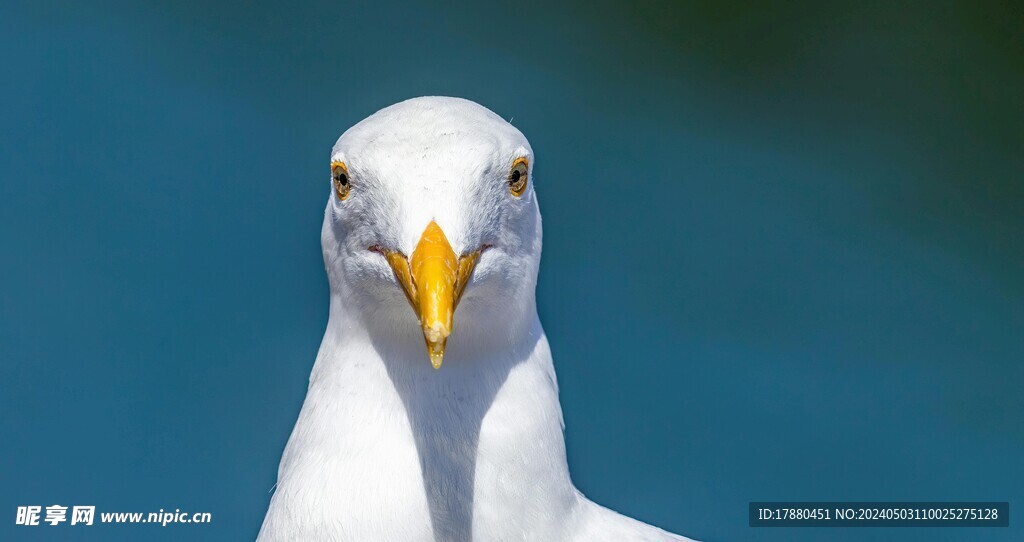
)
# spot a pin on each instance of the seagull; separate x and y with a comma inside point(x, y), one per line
point(432, 409)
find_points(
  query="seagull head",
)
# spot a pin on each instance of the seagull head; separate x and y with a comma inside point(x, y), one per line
point(432, 208)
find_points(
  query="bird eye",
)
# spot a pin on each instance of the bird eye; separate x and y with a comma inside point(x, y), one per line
point(339, 173)
point(517, 177)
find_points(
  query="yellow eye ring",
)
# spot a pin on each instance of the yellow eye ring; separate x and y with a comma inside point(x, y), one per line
point(517, 177)
point(340, 178)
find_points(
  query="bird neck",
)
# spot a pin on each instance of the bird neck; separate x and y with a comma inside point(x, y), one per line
point(482, 431)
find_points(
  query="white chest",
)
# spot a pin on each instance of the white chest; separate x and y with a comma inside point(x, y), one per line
point(373, 463)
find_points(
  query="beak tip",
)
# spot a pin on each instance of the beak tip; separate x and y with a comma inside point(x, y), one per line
point(436, 352)
point(436, 337)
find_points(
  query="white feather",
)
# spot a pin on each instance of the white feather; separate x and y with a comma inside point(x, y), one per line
point(388, 449)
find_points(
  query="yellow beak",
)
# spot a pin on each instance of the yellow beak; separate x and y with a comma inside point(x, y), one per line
point(433, 283)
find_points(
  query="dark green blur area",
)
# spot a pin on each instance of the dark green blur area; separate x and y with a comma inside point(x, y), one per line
point(784, 247)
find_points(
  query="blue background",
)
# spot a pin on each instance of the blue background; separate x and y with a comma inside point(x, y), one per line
point(784, 248)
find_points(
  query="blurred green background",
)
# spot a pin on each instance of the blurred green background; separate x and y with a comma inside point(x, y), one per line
point(784, 246)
